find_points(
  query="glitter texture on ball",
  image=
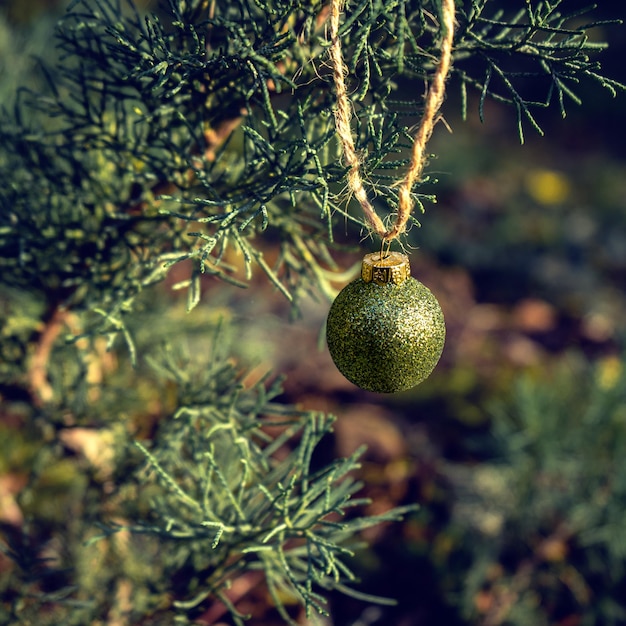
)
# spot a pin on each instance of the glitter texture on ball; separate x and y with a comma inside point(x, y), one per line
point(385, 331)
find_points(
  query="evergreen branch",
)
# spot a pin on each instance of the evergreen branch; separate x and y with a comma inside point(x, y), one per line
point(206, 128)
point(182, 496)
point(549, 43)
point(255, 507)
point(225, 111)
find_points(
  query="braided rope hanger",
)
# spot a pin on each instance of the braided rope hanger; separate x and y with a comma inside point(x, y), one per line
point(432, 104)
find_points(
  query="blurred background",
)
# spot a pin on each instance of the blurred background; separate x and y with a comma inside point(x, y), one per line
point(515, 448)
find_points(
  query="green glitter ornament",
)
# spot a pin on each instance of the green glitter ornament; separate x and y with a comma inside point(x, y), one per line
point(385, 331)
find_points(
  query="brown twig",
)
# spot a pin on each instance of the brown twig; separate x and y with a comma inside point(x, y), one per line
point(38, 371)
point(239, 588)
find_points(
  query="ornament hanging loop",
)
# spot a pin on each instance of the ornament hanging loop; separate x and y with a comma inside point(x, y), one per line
point(384, 253)
point(432, 104)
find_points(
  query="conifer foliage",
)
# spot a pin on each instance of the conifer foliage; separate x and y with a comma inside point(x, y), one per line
point(170, 139)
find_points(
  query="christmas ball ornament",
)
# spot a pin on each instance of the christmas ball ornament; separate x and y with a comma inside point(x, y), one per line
point(385, 331)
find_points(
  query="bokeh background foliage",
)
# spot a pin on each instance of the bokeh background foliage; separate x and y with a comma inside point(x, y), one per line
point(513, 449)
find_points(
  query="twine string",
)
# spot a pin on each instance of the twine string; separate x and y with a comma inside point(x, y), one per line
point(343, 113)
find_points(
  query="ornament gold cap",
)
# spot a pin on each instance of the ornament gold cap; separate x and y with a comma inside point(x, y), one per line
point(380, 268)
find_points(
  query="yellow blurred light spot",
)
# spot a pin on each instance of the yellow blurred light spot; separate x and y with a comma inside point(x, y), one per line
point(547, 186)
point(609, 372)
